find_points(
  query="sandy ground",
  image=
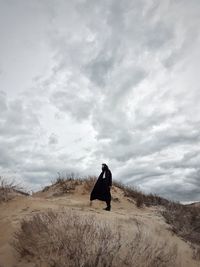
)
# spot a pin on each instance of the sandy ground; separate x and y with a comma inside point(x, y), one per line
point(123, 212)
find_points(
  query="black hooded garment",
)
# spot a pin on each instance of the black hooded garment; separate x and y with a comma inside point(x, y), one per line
point(101, 189)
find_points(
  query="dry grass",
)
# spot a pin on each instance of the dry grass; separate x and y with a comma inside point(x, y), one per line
point(89, 183)
point(184, 221)
point(8, 190)
point(63, 184)
point(196, 252)
point(70, 239)
point(140, 197)
point(145, 251)
point(68, 183)
point(66, 239)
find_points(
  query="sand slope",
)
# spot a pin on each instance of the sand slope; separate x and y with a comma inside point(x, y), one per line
point(123, 210)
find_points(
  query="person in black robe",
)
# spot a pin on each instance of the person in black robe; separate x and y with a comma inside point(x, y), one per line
point(102, 187)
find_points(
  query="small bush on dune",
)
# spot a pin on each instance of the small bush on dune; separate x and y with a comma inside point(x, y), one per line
point(68, 183)
point(69, 239)
point(139, 201)
point(8, 188)
point(63, 178)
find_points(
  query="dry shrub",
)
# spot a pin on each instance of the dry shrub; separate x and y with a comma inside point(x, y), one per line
point(8, 189)
point(68, 183)
point(89, 183)
point(140, 197)
point(184, 221)
point(196, 252)
point(67, 177)
point(69, 239)
point(65, 184)
point(139, 201)
point(146, 250)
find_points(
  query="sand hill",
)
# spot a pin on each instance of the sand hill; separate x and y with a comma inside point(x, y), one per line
point(74, 197)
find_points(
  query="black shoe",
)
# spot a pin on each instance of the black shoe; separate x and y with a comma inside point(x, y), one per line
point(107, 208)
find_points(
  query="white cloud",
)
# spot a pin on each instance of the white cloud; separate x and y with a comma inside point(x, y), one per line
point(113, 81)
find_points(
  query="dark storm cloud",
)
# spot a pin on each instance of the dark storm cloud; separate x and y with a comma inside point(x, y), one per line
point(194, 179)
point(179, 191)
point(190, 160)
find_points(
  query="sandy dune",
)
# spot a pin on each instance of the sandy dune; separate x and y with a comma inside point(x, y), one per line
point(123, 210)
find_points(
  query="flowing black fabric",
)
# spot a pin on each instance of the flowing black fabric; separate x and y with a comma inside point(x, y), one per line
point(101, 189)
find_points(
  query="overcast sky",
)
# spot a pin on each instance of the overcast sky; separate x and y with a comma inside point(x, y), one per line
point(86, 81)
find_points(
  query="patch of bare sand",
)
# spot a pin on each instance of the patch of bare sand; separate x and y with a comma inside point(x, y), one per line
point(123, 213)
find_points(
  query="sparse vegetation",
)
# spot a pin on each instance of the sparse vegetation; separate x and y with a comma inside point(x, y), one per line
point(89, 183)
point(68, 183)
point(196, 252)
point(184, 221)
point(140, 197)
point(8, 189)
point(63, 184)
point(70, 239)
point(145, 251)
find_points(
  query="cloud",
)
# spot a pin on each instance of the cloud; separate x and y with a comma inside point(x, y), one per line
point(53, 139)
point(73, 101)
point(120, 85)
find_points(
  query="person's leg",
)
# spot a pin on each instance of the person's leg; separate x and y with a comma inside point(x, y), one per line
point(108, 205)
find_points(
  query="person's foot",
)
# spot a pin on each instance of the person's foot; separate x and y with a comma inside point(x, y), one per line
point(107, 208)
